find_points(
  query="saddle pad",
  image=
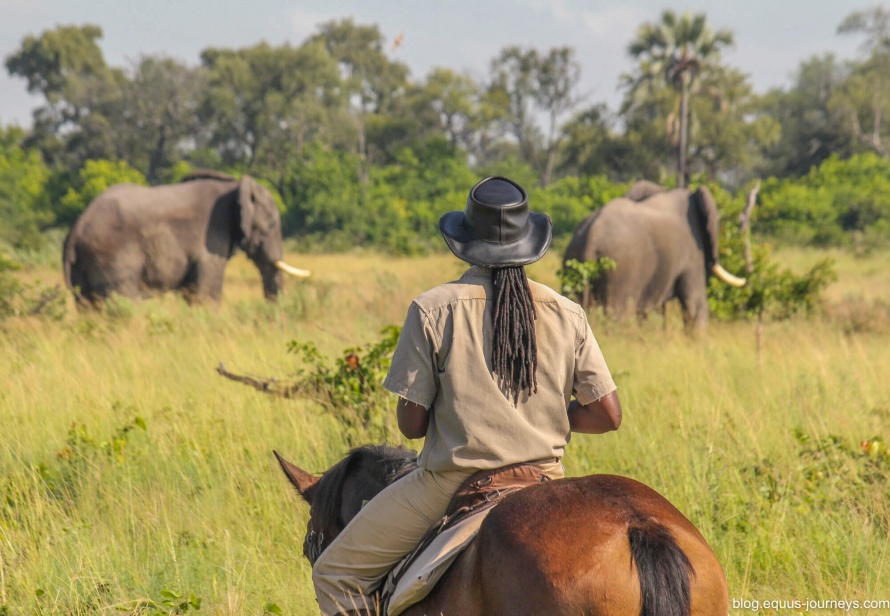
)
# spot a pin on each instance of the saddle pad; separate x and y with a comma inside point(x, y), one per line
point(421, 576)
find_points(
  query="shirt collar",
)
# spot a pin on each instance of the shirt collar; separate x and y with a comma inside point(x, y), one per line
point(477, 271)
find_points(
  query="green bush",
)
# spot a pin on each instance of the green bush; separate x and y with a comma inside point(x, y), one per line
point(24, 204)
point(770, 292)
point(832, 202)
point(353, 386)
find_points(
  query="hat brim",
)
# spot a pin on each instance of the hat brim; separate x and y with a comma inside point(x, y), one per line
point(523, 251)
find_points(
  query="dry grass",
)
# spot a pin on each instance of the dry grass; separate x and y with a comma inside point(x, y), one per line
point(98, 512)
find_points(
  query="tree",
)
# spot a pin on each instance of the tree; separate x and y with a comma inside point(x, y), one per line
point(158, 119)
point(456, 99)
point(558, 76)
point(677, 50)
point(524, 82)
point(730, 135)
point(865, 93)
point(594, 145)
point(874, 23)
point(371, 81)
point(24, 207)
point(67, 67)
point(813, 128)
point(263, 104)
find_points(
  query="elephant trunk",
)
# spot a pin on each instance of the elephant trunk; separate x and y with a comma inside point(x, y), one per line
point(726, 277)
point(293, 271)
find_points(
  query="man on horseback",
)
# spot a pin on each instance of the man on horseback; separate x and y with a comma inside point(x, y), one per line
point(486, 368)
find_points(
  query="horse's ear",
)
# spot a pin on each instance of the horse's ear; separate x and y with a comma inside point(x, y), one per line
point(299, 478)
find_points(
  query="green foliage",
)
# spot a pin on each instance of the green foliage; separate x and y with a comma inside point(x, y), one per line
point(839, 196)
point(576, 277)
point(24, 206)
point(171, 602)
point(398, 210)
point(95, 177)
point(359, 154)
point(353, 386)
point(569, 200)
point(770, 291)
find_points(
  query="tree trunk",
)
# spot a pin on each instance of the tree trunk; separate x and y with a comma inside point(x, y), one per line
point(551, 152)
point(684, 127)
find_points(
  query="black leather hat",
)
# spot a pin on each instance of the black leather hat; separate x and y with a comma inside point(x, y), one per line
point(496, 228)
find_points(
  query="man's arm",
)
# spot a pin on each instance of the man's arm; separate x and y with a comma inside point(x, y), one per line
point(413, 419)
point(603, 415)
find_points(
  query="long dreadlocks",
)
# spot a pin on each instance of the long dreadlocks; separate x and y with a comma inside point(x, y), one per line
point(514, 355)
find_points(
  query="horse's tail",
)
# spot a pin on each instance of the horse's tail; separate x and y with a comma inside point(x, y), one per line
point(663, 570)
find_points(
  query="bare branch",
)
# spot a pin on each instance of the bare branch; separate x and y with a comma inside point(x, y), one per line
point(267, 386)
point(45, 298)
point(745, 226)
point(873, 140)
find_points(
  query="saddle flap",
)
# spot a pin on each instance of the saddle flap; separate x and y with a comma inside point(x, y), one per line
point(417, 577)
point(489, 485)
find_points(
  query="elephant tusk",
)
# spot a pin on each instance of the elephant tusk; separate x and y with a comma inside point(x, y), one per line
point(293, 271)
point(726, 277)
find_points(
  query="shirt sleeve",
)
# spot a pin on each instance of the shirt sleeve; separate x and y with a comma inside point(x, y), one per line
point(413, 374)
point(592, 377)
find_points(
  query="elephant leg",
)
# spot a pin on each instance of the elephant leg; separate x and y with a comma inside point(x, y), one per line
point(692, 293)
point(208, 276)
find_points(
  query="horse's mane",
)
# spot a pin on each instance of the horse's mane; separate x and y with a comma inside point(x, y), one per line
point(385, 462)
point(207, 174)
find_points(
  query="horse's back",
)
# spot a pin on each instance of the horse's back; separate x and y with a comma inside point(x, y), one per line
point(582, 545)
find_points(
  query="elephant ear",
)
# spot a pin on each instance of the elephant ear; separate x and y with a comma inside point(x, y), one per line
point(707, 209)
point(643, 189)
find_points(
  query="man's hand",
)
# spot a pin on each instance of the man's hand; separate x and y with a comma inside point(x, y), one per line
point(413, 419)
point(603, 415)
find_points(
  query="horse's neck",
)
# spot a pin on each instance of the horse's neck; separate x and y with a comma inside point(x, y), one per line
point(367, 482)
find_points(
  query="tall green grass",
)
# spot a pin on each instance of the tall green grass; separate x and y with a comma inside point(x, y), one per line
point(130, 471)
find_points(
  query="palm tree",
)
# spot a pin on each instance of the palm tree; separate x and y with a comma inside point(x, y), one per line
point(677, 50)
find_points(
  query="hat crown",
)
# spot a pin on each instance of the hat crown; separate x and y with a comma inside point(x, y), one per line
point(497, 211)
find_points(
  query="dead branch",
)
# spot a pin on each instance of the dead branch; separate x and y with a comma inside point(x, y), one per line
point(873, 140)
point(268, 386)
point(745, 226)
point(45, 298)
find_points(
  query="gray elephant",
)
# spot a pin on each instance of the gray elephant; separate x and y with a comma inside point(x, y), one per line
point(665, 244)
point(136, 241)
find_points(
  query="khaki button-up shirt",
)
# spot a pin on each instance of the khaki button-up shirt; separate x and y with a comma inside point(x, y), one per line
point(443, 363)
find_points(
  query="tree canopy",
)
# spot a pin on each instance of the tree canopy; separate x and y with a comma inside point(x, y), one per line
point(362, 152)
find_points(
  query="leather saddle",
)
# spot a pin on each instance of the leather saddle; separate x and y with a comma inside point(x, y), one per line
point(418, 572)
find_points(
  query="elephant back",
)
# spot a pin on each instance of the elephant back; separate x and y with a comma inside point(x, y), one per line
point(644, 189)
point(577, 248)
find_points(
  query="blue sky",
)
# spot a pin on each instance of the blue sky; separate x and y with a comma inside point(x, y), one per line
point(772, 36)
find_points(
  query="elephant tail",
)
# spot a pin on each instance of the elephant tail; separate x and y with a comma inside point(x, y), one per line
point(69, 256)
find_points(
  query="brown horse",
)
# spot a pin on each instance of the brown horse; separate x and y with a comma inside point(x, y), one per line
point(601, 545)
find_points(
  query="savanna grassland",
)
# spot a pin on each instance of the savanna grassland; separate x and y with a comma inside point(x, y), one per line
point(130, 471)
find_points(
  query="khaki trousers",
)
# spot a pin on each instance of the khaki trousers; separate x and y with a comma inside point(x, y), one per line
point(385, 531)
